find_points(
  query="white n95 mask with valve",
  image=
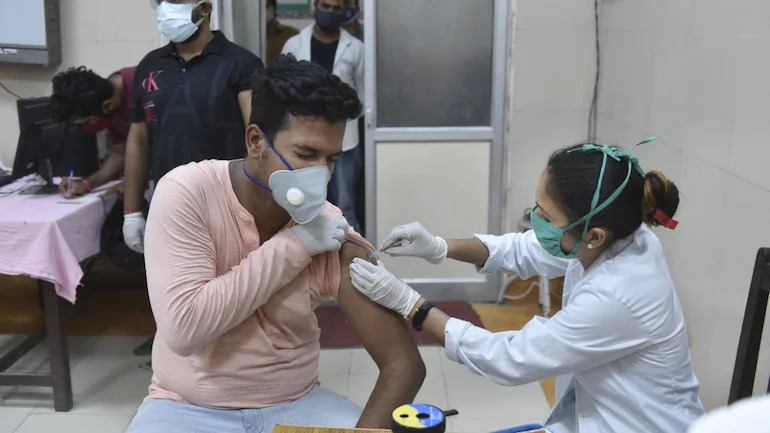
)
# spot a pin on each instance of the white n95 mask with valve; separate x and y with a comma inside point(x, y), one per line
point(301, 192)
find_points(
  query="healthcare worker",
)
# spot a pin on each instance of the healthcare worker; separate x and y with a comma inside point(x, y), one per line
point(619, 344)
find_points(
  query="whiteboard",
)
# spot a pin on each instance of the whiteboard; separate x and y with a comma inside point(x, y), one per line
point(22, 22)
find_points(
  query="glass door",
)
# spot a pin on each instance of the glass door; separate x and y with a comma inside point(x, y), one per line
point(434, 114)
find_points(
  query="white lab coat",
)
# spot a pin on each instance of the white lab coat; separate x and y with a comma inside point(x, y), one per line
point(747, 415)
point(618, 346)
point(348, 65)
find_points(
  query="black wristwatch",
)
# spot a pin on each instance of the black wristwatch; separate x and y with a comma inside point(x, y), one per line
point(420, 315)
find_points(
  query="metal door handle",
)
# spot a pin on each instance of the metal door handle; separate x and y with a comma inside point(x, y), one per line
point(369, 117)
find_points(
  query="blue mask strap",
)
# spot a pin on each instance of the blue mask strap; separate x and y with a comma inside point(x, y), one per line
point(272, 147)
point(254, 179)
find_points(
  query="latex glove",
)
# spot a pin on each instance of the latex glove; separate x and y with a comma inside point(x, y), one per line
point(323, 234)
point(415, 241)
point(133, 231)
point(382, 287)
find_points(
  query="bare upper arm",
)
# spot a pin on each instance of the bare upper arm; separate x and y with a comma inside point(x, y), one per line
point(136, 165)
point(244, 101)
point(137, 135)
point(383, 333)
point(117, 148)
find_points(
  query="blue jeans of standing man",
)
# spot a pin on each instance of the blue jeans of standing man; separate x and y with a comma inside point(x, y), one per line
point(342, 187)
point(319, 407)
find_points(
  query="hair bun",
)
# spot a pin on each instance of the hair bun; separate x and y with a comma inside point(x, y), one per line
point(660, 194)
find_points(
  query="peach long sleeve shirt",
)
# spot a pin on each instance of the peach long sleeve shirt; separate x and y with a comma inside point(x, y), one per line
point(236, 327)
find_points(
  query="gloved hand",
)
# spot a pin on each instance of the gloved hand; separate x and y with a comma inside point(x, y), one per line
point(415, 241)
point(324, 233)
point(382, 287)
point(133, 231)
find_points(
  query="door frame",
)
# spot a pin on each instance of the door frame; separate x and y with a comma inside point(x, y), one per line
point(238, 17)
point(482, 288)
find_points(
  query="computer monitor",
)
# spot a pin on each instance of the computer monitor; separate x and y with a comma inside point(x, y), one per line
point(51, 148)
point(32, 112)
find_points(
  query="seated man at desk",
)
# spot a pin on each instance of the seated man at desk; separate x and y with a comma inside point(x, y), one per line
point(239, 253)
point(96, 103)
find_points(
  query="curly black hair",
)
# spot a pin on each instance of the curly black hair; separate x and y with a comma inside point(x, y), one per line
point(300, 88)
point(79, 92)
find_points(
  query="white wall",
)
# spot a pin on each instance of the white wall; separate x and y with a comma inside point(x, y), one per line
point(696, 72)
point(445, 186)
point(104, 35)
point(552, 79)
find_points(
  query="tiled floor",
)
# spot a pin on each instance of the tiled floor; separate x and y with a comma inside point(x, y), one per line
point(109, 384)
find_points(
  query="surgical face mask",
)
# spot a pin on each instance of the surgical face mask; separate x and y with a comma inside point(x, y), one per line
point(175, 20)
point(549, 236)
point(270, 15)
point(302, 193)
point(328, 21)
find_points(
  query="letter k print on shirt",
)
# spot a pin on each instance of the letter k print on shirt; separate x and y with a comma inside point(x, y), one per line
point(149, 84)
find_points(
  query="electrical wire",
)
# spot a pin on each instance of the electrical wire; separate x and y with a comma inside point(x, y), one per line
point(10, 91)
point(593, 112)
point(532, 286)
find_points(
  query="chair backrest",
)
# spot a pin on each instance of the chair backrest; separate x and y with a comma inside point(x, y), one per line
point(751, 334)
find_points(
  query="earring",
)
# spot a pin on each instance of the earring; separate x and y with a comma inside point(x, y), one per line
point(590, 247)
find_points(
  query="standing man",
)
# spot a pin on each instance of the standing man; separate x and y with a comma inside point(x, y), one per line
point(96, 103)
point(277, 33)
point(332, 47)
point(352, 23)
point(191, 102)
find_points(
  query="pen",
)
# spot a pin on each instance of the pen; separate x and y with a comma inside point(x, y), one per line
point(69, 185)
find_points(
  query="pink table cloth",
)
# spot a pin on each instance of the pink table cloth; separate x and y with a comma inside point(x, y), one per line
point(46, 236)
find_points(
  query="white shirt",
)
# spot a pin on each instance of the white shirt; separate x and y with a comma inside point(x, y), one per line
point(348, 66)
point(618, 346)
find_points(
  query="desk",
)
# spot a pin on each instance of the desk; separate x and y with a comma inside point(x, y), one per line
point(46, 237)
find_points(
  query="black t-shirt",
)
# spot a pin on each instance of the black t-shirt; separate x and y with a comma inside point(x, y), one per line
point(191, 108)
point(322, 53)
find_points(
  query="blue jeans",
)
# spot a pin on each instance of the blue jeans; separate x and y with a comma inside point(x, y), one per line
point(342, 188)
point(319, 407)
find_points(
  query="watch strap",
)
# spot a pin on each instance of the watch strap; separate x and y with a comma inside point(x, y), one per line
point(420, 315)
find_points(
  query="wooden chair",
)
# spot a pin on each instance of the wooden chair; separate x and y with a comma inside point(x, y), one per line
point(751, 334)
